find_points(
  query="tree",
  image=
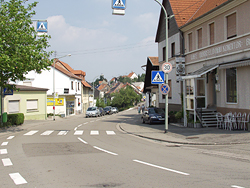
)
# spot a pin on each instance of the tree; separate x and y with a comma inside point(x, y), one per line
point(21, 50)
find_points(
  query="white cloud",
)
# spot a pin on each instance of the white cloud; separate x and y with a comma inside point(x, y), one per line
point(146, 21)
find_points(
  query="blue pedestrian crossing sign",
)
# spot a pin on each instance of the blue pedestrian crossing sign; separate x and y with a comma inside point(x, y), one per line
point(42, 26)
point(119, 4)
point(157, 77)
point(165, 89)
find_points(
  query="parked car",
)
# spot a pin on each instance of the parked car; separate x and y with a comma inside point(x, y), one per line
point(114, 110)
point(108, 110)
point(102, 112)
point(153, 115)
point(92, 112)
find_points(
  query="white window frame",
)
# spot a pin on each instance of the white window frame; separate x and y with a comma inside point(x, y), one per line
point(225, 24)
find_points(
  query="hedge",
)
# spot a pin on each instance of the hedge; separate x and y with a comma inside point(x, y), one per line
point(15, 119)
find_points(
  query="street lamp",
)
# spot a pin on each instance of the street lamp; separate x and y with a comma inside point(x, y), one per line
point(54, 84)
point(166, 74)
point(94, 88)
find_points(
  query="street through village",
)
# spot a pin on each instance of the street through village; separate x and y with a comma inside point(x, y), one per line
point(95, 152)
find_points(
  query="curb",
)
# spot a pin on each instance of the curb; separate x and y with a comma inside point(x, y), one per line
point(183, 143)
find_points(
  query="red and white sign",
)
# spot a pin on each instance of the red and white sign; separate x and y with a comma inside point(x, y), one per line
point(167, 67)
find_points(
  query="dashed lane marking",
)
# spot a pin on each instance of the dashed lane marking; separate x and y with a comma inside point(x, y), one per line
point(17, 178)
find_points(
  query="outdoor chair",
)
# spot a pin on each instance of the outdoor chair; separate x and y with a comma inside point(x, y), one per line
point(234, 121)
point(244, 120)
point(228, 121)
point(239, 118)
point(220, 122)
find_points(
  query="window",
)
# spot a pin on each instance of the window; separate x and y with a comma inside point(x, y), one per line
point(66, 90)
point(173, 49)
point(164, 53)
point(231, 26)
point(72, 85)
point(79, 102)
point(211, 33)
point(190, 42)
point(231, 85)
point(78, 86)
point(32, 105)
point(13, 106)
point(199, 35)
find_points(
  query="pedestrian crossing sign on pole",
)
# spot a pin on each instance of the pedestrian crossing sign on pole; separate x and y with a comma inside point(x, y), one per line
point(157, 77)
point(42, 27)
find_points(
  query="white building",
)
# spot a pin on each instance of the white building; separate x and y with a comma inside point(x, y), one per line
point(67, 88)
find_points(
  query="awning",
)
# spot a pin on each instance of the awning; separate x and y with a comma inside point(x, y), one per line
point(235, 64)
point(198, 73)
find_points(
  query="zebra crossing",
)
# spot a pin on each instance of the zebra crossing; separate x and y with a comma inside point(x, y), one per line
point(66, 132)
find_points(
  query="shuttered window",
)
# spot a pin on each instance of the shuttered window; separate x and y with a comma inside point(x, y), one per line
point(13, 106)
point(211, 33)
point(173, 49)
point(231, 26)
point(190, 42)
point(199, 32)
point(32, 104)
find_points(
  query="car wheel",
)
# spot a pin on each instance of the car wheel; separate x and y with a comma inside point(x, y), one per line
point(150, 122)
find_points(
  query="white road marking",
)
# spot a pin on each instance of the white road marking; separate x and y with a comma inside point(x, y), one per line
point(78, 132)
point(17, 178)
point(4, 144)
point(86, 123)
point(46, 133)
point(61, 133)
point(7, 162)
point(110, 132)
point(105, 150)
point(31, 133)
point(75, 129)
point(79, 125)
point(10, 137)
point(3, 151)
point(163, 168)
point(82, 141)
point(236, 186)
point(94, 132)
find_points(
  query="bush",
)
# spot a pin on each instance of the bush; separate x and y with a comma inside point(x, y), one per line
point(179, 115)
point(16, 119)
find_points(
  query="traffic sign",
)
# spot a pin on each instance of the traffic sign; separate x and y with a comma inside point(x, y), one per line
point(165, 89)
point(157, 77)
point(42, 26)
point(167, 67)
point(119, 4)
point(7, 91)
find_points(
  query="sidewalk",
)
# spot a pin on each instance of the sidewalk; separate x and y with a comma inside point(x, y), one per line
point(179, 134)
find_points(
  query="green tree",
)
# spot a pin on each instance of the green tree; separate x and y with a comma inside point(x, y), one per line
point(21, 50)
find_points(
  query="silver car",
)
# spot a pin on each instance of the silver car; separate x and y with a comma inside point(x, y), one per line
point(93, 112)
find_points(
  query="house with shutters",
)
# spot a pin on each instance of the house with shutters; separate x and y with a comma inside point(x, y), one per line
point(217, 58)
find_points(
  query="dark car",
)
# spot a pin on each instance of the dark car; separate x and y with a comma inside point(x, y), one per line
point(108, 110)
point(102, 112)
point(153, 115)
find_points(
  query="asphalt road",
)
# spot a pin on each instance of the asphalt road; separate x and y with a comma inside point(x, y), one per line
point(94, 152)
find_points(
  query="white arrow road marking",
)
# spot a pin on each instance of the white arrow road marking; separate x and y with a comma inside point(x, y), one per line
point(17, 178)
point(46, 133)
point(3, 151)
point(4, 144)
point(7, 162)
point(105, 150)
point(10, 137)
point(94, 132)
point(82, 141)
point(163, 168)
point(78, 132)
point(110, 132)
point(31, 133)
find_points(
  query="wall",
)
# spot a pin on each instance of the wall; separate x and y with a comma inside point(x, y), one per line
point(23, 96)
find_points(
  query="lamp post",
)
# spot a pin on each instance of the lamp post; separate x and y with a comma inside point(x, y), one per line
point(94, 88)
point(166, 56)
point(54, 84)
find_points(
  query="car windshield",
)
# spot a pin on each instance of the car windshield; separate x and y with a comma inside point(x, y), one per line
point(106, 108)
point(155, 111)
point(91, 109)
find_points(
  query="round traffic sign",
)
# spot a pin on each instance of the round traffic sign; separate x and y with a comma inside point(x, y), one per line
point(167, 67)
point(165, 89)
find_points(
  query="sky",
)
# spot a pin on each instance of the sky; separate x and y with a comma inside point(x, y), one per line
point(99, 42)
